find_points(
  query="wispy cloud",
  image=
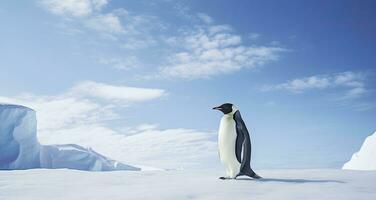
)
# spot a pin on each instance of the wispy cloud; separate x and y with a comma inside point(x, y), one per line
point(171, 147)
point(205, 18)
point(85, 103)
point(203, 50)
point(150, 146)
point(73, 8)
point(352, 82)
point(254, 36)
point(107, 23)
point(301, 84)
point(212, 50)
point(115, 92)
point(120, 63)
point(87, 13)
point(349, 88)
point(125, 32)
point(136, 44)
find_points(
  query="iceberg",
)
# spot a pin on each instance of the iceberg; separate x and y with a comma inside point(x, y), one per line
point(365, 158)
point(20, 148)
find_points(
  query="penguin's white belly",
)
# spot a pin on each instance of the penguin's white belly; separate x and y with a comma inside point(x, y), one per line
point(226, 143)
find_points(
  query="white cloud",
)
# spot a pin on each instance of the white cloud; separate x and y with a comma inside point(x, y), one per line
point(219, 28)
point(130, 30)
point(116, 93)
point(254, 36)
point(214, 50)
point(350, 79)
point(199, 52)
point(355, 93)
point(352, 82)
point(85, 103)
point(135, 44)
point(275, 43)
point(56, 112)
point(120, 63)
point(171, 148)
point(299, 85)
point(86, 13)
point(364, 106)
point(168, 148)
point(73, 8)
point(107, 23)
point(205, 18)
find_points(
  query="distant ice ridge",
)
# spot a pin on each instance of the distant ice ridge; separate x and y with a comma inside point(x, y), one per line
point(365, 158)
point(20, 149)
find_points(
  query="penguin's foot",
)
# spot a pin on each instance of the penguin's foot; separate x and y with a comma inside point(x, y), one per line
point(256, 176)
point(224, 178)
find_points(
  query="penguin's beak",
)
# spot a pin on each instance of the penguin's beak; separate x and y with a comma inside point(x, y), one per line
point(217, 108)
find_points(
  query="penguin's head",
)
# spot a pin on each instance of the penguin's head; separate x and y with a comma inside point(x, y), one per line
point(226, 108)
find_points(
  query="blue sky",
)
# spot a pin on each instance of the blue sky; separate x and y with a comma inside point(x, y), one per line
point(302, 72)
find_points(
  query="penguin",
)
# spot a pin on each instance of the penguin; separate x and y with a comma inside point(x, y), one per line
point(234, 143)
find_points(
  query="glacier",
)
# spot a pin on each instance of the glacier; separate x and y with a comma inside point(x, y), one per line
point(20, 148)
point(365, 158)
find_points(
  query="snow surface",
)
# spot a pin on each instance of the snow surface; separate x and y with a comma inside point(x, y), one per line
point(20, 148)
point(40, 184)
point(365, 158)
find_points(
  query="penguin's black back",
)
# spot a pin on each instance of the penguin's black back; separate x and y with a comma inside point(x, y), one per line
point(243, 144)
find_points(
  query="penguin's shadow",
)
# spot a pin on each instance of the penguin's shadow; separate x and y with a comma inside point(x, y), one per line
point(286, 180)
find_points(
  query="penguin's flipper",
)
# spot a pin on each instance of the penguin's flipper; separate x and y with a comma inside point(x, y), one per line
point(239, 146)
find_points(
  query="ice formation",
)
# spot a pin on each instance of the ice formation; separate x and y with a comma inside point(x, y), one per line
point(20, 149)
point(365, 158)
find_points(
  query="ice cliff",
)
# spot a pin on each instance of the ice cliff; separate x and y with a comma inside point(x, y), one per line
point(365, 158)
point(20, 149)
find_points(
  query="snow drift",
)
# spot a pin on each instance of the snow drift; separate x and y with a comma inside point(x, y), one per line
point(365, 158)
point(20, 149)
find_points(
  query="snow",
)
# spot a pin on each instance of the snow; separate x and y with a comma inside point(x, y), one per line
point(40, 184)
point(20, 148)
point(365, 158)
